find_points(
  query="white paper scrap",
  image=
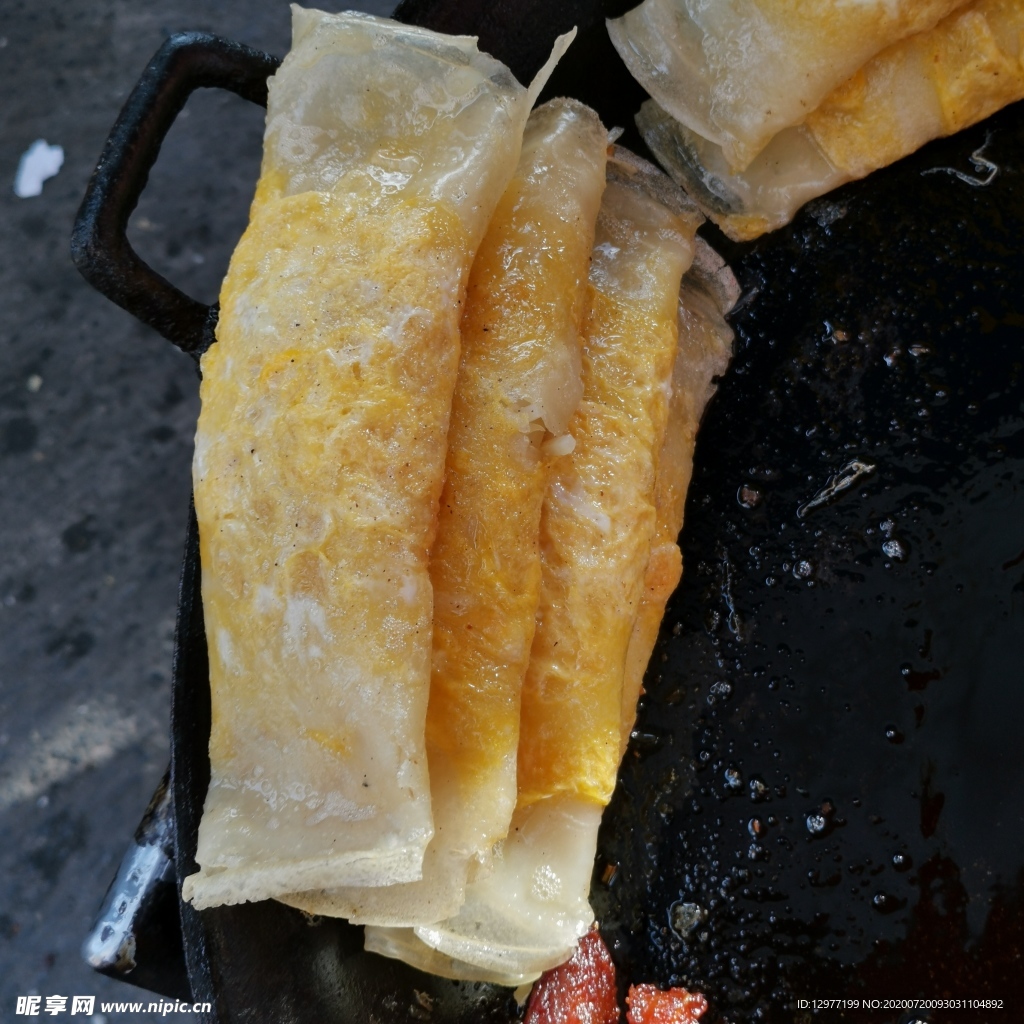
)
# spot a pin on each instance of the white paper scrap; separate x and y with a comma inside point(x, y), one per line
point(39, 162)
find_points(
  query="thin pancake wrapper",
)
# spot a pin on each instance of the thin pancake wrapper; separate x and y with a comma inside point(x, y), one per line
point(708, 291)
point(596, 534)
point(736, 72)
point(320, 451)
point(518, 386)
point(930, 85)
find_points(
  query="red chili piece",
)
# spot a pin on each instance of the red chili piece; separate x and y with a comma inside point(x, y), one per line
point(580, 991)
point(650, 1005)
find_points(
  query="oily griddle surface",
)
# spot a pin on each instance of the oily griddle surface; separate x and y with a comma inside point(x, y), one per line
point(856, 665)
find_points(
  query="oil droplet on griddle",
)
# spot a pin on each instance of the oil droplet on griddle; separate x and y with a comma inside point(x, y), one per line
point(816, 824)
point(902, 861)
point(684, 917)
point(886, 904)
point(895, 550)
point(748, 497)
point(893, 735)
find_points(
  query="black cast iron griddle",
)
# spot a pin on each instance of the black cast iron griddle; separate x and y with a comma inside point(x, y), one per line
point(823, 794)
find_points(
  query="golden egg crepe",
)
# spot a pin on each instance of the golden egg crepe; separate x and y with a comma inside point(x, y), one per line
point(599, 515)
point(597, 529)
point(737, 72)
point(320, 451)
point(517, 388)
point(708, 291)
point(930, 85)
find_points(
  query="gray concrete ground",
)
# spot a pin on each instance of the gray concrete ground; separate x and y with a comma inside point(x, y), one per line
point(97, 415)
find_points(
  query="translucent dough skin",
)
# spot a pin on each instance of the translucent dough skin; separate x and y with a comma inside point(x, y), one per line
point(931, 85)
point(597, 527)
point(737, 72)
point(370, 108)
point(320, 455)
point(519, 368)
point(528, 914)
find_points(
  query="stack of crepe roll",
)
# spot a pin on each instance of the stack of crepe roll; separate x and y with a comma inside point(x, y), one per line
point(760, 105)
point(446, 434)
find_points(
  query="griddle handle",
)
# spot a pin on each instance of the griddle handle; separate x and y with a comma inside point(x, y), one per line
point(99, 243)
point(136, 936)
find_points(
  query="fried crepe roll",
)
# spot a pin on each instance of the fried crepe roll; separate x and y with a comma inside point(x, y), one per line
point(708, 292)
point(320, 451)
point(737, 72)
point(517, 389)
point(930, 85)
point(597, 529)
